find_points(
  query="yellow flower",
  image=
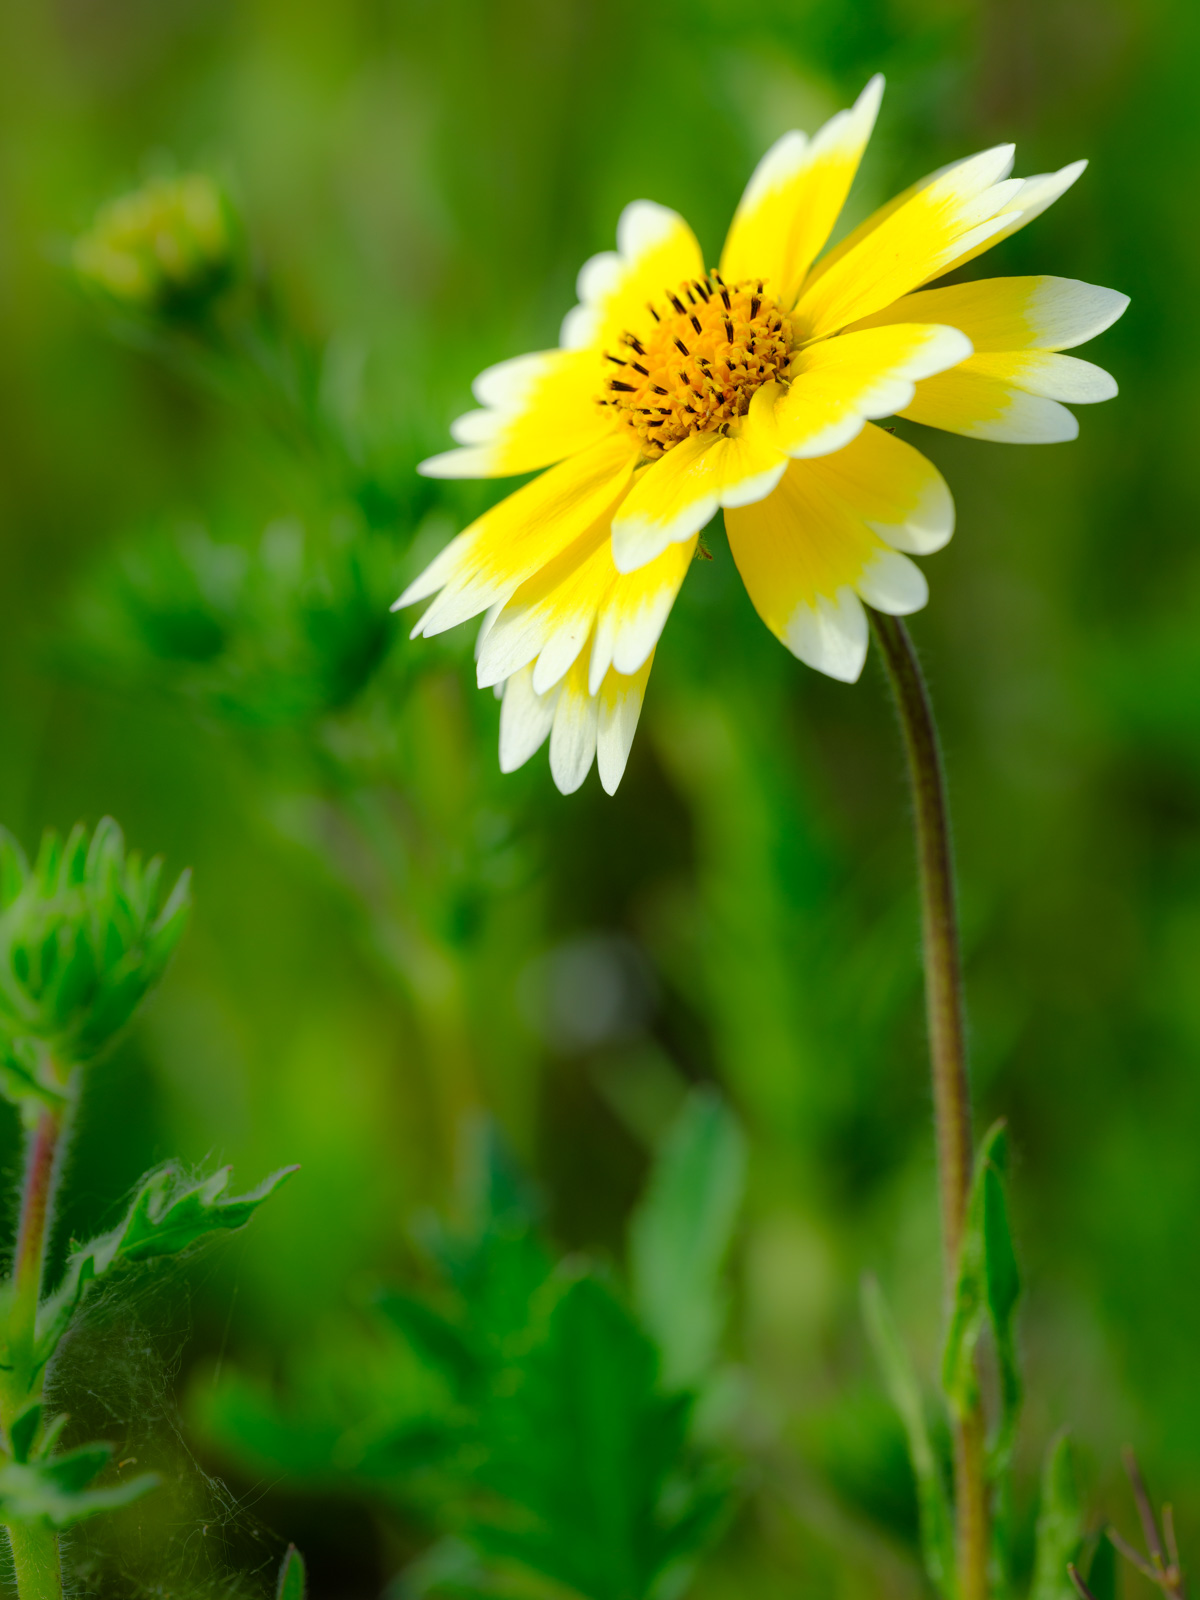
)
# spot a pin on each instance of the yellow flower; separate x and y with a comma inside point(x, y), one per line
point(754, 388)
point(168, 244)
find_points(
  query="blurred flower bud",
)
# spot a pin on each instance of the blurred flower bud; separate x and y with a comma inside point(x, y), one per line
point(168, 246)
point(81, 943)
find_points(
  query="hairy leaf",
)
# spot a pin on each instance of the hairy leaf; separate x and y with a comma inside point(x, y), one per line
point(55, 1490)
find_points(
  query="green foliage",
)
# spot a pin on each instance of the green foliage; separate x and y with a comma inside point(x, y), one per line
point(264, 634)
point(83, 938)
point(55, 1489)
point(681, 1234)
point(1059, 1525)
point(546, 1436)
point(293, 1581)
point(904, 1391)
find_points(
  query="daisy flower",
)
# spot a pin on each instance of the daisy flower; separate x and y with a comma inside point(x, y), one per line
point(754, 387)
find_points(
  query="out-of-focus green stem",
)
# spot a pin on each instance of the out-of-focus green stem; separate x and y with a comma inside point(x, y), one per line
point(37, 1560)
point(947, 1048)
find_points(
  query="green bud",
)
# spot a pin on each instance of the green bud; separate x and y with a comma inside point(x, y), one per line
point(168, 246)
point(82, 941)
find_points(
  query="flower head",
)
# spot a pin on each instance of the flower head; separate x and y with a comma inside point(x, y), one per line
point(755, 387)
point(167, 246)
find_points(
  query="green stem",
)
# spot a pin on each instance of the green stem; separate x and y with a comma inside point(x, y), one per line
point(947, 1049)
point(37, 1195)
point(37, 1560)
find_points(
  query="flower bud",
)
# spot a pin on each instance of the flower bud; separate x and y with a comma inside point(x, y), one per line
point(168, 246)
point(82, 941)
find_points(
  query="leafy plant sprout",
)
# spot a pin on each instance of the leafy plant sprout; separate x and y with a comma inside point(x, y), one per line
point(755, 388)
point(83, 939)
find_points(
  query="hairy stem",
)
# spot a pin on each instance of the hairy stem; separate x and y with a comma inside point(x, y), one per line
point(37, 1196)
point(37, 1560)
point(947, 1049)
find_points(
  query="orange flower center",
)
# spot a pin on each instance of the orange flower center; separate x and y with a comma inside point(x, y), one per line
point(711, 347)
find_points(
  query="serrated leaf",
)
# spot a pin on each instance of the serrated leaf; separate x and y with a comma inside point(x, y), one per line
point(438, 1342)
point(48, 1491)
point(588, 1459)
point(681, 1233)
point(169, 1212)
point(900, 1381)
point(1059, 1525)
point(293, 1579)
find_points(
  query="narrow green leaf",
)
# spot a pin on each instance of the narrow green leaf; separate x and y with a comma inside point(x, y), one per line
point(1003, 1282)
point(681, 1233)
point(1102, 1570)
point(24, 1431)
point(293, 1579)
point(1059, 1525)
point(43, 1491)
point(900, 1381)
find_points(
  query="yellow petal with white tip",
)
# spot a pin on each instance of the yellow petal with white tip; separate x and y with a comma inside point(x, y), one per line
point(837, 384)
point(620, 707)
point(537, 409)
point(634, 613)
point(656, 251)
point(525, 720)
point(1036, 313)
point(516, 538)
point(932, 228)
point(573, 733)
point(793, 200)
point(675, 496)
point(986, 407)
point(892, 487)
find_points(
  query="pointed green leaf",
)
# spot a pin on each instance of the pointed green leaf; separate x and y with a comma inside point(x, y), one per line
point(24, 1431)
point(1059, 1525)
point(293, 1579)
point(900, 1381)
point(50, 1491)
point(169, 1212)
point(681, 1233)
point(440, 1344)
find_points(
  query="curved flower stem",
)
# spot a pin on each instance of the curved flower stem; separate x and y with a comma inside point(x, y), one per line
point(37, 1560)
point(947, 1048)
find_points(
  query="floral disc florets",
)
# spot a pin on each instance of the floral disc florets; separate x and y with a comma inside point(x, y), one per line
point(712, 345)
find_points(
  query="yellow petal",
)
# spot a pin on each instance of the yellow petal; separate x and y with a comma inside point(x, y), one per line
point(512, 541)
point(793, 200)
point(573, 734)
point(676, 495)
point(525, 720)
point(634, 612)
point(984, 406)
point(935, 226)
point(894, 489)
point(655, 251)
point(1039, 313)
point(620, 707)
point(805, 558)
point(1042, 372)
point(537, 409)
point(839, 383)
point(1035, 195)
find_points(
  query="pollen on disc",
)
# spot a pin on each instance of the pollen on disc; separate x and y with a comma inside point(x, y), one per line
point(711, 345)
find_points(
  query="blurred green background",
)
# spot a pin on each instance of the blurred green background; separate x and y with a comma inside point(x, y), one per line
point(388, 934)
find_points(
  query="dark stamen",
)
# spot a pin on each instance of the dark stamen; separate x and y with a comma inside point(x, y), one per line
point(657, 424)
point(729, 330)
point(626, 388)
point(658, 389)
point(725, 297)
point(638, 367)
point(616, 359)
point(682, 348)
point(687, 289)
point(695, 321)
point(755, 302)
point(700, 289)
point(656, 317)
point(634, 343)
point(677, 303)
